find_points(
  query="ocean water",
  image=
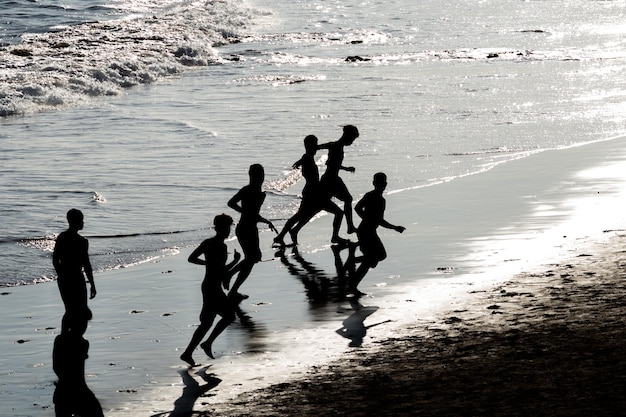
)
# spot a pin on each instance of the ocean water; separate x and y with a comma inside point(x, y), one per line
point(146, 115)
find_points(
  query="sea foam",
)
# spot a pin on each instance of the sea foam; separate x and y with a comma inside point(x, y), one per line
point(77, 63)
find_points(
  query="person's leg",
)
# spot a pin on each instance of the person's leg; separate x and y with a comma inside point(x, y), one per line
point(342, 193)
point(227, 318)
point(197, 337)
point(219, 328)
point(244, 272)
point(74, 296)
point(88, 403)
point(338, 213)
point(347, 210)
point(358, 276)
point(279, 239)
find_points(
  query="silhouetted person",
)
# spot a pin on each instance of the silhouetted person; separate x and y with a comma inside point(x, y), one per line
point(70, 259)
point(214, 301)
point(312, 178)
point(314, 199)
point(371, 209)
point(72, 396)
point(248, 202)
point(332, 183)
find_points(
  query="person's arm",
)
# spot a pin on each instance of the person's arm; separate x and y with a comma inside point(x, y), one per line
point(359, 208)
point(56, 262)
point(349, 169)
point(297, 164)
point(326, 145)
point(194, 258)
point(232, 267)
point(262, 219)
point(234, 202)
point(386, 224)
point(89, 271)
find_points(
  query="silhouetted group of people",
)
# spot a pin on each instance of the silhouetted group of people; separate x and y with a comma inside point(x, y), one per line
point(71, 251)
point(317, 196)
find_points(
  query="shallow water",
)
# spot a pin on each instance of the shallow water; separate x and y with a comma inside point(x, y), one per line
point(150, 144)
point(296, 317)
point(437, 93)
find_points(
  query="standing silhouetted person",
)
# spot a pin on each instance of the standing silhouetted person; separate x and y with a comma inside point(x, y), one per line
point(72, 396)
point(371, 209)
point(314, 199)
point(70, 259)
point(332, 183)
point(248, 202)
point(214, 301)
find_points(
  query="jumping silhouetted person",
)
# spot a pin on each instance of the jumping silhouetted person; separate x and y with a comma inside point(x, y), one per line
point(70, 259)
point(314, 199)
point(248, 202)
point(72, 396)
point(214, 301)
point(371, 209)
point(332, 183)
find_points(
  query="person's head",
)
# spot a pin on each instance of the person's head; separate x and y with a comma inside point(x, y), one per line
point(257, 174)
point(75, 219)
point(380, 181)
point(222, 223)
point(350, 133)
point(310, 143)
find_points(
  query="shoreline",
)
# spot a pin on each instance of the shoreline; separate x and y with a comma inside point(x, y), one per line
point(542, 343)
point(145, 315)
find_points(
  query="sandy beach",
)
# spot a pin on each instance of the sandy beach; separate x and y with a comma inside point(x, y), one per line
point(545, 343)
point(522, 317)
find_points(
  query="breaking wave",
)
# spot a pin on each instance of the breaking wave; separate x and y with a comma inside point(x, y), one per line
point(74, 64)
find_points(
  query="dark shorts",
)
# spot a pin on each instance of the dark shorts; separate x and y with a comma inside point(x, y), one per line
point(248, 237)
point(371, 247)
point(216, 304)
point(335, 187)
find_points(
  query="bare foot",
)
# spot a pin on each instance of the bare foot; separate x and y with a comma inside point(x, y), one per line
point(278, 241)
point(187, 358)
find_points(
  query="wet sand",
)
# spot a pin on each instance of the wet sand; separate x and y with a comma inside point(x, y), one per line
point(549, 343)
point(452, 326)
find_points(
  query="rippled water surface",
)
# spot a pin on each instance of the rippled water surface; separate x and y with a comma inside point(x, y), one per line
point(126, 111)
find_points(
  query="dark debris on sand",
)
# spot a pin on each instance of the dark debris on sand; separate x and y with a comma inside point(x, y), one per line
point(554, 347)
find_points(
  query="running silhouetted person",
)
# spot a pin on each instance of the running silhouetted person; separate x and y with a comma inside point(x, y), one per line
point(248, 202)
point(212, 253)
point(71, 262)
point(72, 396)
point(314, 199)
point(371, 209)
point(332, 183)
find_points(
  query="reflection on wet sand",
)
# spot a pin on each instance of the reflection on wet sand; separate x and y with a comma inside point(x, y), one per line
point(320, 287)
point(192, 391)
point(354, 327)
